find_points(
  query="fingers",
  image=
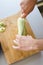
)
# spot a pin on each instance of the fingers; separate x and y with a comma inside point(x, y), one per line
point(22, 40)
point(23, 15)
point(23, 9)
point(16, 47)
point(26, 7)
point(25, 43)
point(26, 11)
point(25, 48)
point(18, 36)
point(16, 42)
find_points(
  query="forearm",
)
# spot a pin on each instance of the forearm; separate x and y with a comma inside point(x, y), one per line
point(40, 44)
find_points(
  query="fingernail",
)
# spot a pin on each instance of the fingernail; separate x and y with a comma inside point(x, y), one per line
point(15, 42)
point(23, 15)
point(16, 47)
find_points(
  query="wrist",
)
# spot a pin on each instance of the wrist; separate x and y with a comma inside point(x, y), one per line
point(39, 43)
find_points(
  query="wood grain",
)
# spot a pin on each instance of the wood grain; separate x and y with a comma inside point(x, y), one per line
point(7, 37)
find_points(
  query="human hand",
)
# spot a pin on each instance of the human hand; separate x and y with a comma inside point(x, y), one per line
point(27, 6)
point(25, 43)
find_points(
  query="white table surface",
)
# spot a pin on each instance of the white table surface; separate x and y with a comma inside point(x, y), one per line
point(11, 7)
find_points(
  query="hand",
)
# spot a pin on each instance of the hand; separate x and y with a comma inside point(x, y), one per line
point(27, 6)
point(25, 43)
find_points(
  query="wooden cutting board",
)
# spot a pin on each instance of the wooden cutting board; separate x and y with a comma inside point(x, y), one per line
point(7, 37)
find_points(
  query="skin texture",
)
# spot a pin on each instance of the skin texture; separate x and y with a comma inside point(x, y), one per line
point(40, 44)
point(27, 6)
point(28, 43)
point(25, 43)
